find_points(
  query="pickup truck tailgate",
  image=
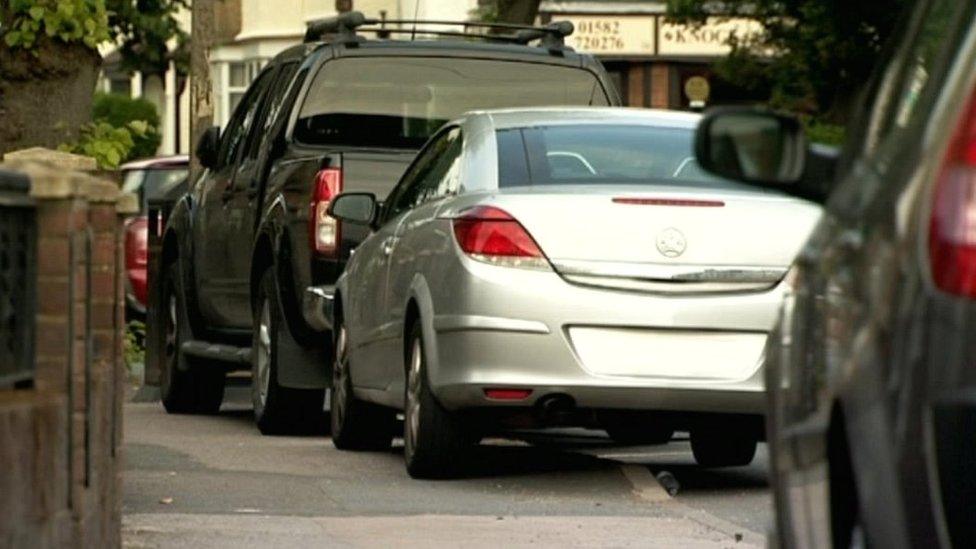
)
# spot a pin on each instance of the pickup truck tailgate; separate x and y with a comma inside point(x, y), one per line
point(374, 171)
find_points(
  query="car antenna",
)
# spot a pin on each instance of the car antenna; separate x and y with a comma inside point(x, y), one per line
point(416, 10)
point(382, 33)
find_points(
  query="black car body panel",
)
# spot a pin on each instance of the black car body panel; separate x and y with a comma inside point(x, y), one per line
point(870, 373)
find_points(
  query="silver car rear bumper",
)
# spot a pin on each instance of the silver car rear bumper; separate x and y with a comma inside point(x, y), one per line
point(512, 328)
point(472, 360)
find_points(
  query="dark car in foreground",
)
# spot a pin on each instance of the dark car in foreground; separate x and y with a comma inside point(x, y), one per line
point(871, 373)
point(250, 254)
point(148, 179)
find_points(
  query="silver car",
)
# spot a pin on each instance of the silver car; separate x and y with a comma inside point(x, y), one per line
point(560, 266)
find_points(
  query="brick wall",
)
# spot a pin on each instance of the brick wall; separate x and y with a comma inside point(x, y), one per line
point(60, 460)
point(651, 84)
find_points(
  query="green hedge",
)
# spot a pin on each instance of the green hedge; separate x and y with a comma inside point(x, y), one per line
point(822, 132)
point(120, 111)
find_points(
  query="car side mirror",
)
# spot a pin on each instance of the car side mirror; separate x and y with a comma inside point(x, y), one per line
point(358, 208)
point(765, 149)
point(208, 147)
point(751, 145)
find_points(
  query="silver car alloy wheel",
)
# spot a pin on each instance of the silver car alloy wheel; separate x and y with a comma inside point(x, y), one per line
point(412, 419)
point(264, 353)
point(339, 377)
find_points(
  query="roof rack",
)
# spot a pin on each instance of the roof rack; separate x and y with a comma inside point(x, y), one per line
point(343, 28)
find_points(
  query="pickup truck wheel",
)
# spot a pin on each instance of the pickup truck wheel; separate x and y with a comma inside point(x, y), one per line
point(277, 410)
point(433, 438)
point(634, 429)
point(728, 447)
point(187, 385)
point(356, 425)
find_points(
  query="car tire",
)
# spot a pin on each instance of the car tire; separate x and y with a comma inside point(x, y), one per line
point(356, 425)
point(188, 385)
point(434, 439)
point(714, 447)
point(278, 410)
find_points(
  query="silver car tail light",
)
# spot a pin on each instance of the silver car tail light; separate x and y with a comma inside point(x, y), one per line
point(323, 229)
point(492, 235)
point(952, 234)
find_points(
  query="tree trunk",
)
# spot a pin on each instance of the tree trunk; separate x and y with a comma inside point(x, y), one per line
point(517, 11)
point(44, 99)
point(201, 88)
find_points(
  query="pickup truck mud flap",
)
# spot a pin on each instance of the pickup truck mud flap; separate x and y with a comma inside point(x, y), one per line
point(303, 367)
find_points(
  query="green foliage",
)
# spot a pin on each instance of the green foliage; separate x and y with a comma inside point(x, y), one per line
point(826, 133)
point(123, 129)
point(133, 346)
point(146, 30)
point(108, 145)
point(69, 21)
point(822, 50)
point(121, 110)
point(118, 109)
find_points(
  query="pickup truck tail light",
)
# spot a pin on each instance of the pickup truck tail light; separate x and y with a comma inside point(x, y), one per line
point(492, 235)
point(323, 229)
point(952, 231)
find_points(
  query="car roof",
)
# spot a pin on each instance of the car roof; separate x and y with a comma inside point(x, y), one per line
point(536, 116)
point(158, 163)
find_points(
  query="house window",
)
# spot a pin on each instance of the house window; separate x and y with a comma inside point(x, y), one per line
point(240, 74)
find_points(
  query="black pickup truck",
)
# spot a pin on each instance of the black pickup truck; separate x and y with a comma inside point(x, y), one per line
point(249, 254)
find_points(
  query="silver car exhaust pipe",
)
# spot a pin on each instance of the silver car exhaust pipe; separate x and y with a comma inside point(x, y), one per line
point(556, 409)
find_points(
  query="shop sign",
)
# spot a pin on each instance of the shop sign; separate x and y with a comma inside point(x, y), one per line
point(612, 35)
point(709, 39)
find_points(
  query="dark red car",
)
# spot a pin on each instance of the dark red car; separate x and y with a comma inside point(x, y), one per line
point(148, 179)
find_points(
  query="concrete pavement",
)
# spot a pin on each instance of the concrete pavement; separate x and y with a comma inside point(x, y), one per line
point(198, 481)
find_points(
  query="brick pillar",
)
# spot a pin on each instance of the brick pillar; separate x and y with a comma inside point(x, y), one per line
point(64, 432)
point(660, 85)
point(635, 86)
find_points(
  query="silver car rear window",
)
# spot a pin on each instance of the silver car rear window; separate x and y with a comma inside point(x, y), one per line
point(600, 154)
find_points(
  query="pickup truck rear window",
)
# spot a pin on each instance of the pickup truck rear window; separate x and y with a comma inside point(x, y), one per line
point(399, 102)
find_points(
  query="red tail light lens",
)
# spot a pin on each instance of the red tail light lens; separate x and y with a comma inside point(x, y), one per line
point(137, 256)
point(136, 243)
point(952, 234)
point(500, 393)
point(684, 202)
point(493, 236)
point(323, 229)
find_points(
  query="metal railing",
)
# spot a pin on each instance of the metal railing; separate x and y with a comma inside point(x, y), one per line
point(18, 280)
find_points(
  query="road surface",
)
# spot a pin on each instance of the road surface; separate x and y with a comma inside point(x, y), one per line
point(214, 481)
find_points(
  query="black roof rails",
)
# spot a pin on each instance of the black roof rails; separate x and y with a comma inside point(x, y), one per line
point(344, 27)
